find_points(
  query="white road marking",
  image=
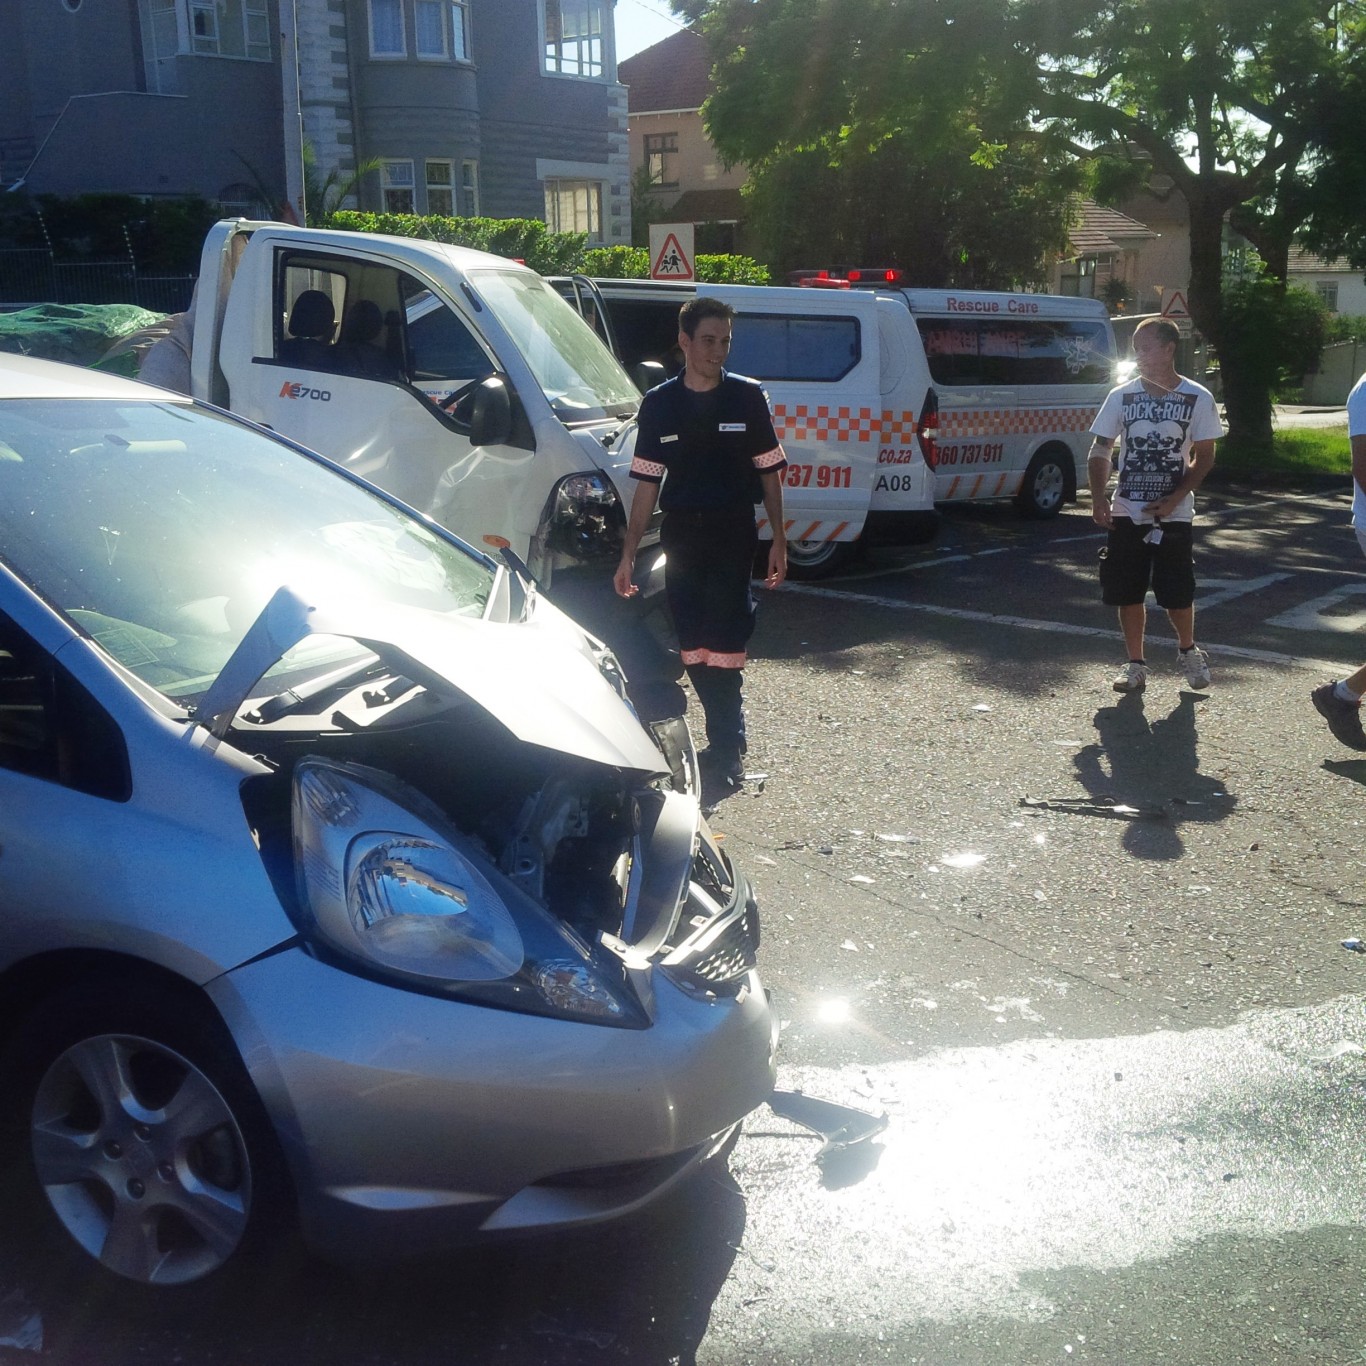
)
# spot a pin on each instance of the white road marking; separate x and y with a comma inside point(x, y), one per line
point(1061, 628)
point(1324, 613)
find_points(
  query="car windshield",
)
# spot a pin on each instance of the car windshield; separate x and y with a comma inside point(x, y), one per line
point(580, 376)
point(163, 530)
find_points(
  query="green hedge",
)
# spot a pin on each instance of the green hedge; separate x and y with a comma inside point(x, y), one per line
point(633, 263)
point(550, 253)
point(523, 239)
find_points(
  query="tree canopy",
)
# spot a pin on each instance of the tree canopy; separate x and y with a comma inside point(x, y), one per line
point(1252, 109)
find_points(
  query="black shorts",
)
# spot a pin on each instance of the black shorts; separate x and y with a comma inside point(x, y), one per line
point(1129, 566)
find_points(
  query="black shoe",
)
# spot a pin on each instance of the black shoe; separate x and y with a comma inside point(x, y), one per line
point(1343, 717)
point(722, 765)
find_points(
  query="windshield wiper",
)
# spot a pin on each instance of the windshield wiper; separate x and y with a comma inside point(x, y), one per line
point(299, 699)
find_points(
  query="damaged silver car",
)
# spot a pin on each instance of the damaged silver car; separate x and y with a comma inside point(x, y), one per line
point(341, 889)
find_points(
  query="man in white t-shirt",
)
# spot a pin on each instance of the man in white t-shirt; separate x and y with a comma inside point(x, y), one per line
point(1167, 426)
point(1340, 703)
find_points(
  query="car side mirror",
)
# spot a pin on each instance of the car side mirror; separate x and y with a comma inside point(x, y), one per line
point(491, 413)
point(648, 373)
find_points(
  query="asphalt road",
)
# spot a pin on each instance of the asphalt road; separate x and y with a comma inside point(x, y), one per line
point(1081, 950)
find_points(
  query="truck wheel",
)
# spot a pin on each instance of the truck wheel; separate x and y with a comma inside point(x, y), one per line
point(815, 559)
point(1046, 485)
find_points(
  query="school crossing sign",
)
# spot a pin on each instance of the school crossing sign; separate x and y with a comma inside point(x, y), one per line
point(671, 255)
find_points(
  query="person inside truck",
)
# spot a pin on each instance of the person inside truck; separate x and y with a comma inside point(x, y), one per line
point(706, 451)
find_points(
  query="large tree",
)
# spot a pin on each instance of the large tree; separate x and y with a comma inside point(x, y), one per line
point(1252, 108)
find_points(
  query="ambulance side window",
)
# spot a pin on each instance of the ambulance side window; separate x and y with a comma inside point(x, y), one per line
point(1015, 352)
point(770, 347)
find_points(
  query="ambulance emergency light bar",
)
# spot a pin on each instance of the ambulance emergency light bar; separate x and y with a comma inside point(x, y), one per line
point(847, 277)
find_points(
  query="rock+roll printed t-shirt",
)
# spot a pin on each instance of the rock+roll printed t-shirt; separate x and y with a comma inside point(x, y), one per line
point(1156, 434)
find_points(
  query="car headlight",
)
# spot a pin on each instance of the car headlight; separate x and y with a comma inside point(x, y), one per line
point(585, 517)
point(388, 887)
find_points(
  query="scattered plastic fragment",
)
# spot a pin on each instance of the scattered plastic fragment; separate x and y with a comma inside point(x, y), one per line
point(826, 849)
point(1095, 806)
point(764, 858)
point(981, 706)
point(841, 1126)
point(899, 839)
point(21, 1325)
point(860, 877)
point(1354, 945)
point(850, 946)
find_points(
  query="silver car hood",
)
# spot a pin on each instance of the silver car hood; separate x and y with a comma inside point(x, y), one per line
point(536, 677)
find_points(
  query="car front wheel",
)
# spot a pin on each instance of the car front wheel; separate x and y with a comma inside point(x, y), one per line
point(149, 1156)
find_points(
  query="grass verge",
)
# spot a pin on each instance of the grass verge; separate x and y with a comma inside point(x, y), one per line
point(1303, 455)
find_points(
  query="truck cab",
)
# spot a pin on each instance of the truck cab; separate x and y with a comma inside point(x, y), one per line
point(456, 380)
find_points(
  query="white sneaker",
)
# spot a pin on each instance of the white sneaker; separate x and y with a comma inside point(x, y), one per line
point(1195, 663)
point(1131, 678)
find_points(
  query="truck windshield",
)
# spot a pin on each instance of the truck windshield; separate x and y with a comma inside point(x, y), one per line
point(582, 379)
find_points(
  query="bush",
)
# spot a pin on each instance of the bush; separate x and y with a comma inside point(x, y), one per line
point(1346, 327)
point(633, 263)
point(521, 239)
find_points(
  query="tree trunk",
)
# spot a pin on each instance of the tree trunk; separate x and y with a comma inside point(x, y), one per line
point(1247, 404)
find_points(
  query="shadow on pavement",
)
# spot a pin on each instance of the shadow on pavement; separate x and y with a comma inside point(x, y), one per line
point(640, 1291)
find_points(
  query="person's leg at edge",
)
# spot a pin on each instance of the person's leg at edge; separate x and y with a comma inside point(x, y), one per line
point(1133, 621)
point(1183, 623)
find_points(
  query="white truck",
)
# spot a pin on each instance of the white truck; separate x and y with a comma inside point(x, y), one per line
point(891, 401)
point(455, 380)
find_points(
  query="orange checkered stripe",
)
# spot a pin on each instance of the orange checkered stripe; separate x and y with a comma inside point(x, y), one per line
point(955, 424)
point(715, 658)
point(803, 422)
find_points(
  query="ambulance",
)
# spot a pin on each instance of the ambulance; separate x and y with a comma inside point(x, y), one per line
point(891, 402)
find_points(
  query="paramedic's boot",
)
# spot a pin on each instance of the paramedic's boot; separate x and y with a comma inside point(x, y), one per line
point(718, 690)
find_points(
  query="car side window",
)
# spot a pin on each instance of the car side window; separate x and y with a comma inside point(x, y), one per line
point(50, 726)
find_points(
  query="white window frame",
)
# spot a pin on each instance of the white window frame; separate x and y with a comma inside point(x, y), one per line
point(437, 7)
point(555, 60)
point(1327, 293)
point(210, 42)
point(594, 191)
point(440, 187)
point(387, 55)
point(469, 188)
point(460, 30)
point(388, 181)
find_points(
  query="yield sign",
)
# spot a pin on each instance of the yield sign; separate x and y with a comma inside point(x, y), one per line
point(673, 259)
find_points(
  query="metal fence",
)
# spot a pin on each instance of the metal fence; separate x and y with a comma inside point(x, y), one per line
point(32, 275)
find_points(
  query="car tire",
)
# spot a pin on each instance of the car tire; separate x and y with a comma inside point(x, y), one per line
point(808, 560)
point(1046, 485)
point(144, 1157)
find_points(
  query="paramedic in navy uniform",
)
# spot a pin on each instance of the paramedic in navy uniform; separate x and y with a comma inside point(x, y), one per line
point(707, 452)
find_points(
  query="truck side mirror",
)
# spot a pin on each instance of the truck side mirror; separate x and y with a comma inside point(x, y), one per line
point(491, 413)
point(648, 373)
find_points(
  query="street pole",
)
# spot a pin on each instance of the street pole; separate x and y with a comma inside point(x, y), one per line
point(292, 110)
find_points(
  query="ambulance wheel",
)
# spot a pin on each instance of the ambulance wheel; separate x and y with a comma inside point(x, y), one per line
point(815, 559)
point(1046, 486)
